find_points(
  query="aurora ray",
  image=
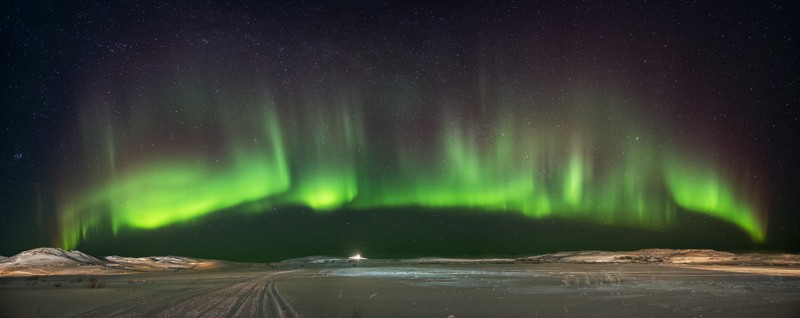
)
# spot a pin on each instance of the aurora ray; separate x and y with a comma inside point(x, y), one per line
point(529, 167)
point(332, 131)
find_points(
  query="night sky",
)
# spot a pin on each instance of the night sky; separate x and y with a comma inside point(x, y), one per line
point(260, 132)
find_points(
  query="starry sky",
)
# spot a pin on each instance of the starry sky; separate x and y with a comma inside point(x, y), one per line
point(262, 131)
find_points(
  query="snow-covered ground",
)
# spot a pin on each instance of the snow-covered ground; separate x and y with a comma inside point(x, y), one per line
point(46, 256)
point(55, 261)
point(667, 256)
point(681, 283)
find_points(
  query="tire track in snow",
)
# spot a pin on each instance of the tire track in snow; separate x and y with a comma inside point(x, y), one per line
point(256, 297)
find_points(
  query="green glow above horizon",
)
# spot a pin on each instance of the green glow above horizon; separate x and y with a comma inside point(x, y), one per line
point(701, 190)
point(329, 179)
point(316, 152)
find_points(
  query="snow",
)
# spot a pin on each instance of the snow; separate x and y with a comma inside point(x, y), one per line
point(667, 256)
point(55, 261)
point(47, 256)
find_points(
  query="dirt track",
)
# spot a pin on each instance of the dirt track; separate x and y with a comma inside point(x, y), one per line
point(256, 297)
point(409, 290)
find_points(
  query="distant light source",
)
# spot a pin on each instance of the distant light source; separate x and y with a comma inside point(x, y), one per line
point(356, 257)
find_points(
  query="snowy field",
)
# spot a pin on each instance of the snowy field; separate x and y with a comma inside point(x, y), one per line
point(431, 287)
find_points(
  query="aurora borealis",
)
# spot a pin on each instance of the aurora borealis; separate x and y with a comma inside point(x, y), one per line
point(529, 166)
point(608, 116)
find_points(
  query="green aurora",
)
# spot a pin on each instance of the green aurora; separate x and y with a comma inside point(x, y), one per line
point(182, 153)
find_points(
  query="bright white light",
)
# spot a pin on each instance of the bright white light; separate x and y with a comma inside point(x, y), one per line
point(357, 257)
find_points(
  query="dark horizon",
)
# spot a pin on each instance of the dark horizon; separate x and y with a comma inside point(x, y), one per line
point(236, 237)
